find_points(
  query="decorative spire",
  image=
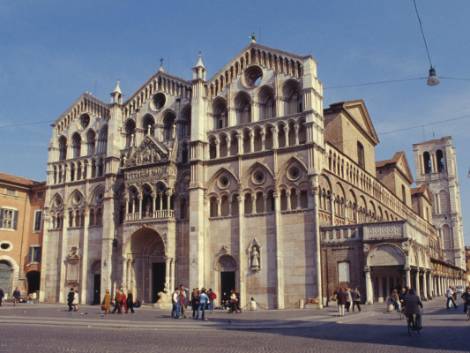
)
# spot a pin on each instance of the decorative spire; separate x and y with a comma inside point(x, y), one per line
point(117, 89)
point(200, 62)
point(116, 94)
point(253, 37)
point(161, 69)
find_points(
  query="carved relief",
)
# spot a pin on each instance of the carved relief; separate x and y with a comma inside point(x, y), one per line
point(149, 152)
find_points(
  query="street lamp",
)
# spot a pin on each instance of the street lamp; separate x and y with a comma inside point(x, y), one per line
point(432, 77)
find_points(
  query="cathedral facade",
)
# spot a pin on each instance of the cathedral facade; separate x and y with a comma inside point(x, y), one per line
point(241, 181)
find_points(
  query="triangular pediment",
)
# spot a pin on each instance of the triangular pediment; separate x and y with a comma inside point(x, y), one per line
point(403, 166)
point(149, 151)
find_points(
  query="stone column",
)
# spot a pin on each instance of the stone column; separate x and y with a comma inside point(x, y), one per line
point(219, 208)
point(168, 287)
point(263, 140)
point(141, 203)
point(44, 259)
point(63, 256)
point(279, 252)
point(217, 148)
point(242, 261)
point(425, 285)
point(240, 142)
point(408, 277)
point(431, 285)
point(381, 290)
point(296, 128)
point(275, 133)
point(418, 285)
point(229, 145)
point(316, 221)
point(252, 140)
point(288, 206)
point(332, 207)
point(84, 260)
point(286, 134)
point(172, 273)
point(369, 289)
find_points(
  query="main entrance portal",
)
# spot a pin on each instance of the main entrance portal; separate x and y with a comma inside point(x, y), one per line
point(145, 266)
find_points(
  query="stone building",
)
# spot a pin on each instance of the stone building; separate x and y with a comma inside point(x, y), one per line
point(21, 227)
point(228, 183)
point(437, 169)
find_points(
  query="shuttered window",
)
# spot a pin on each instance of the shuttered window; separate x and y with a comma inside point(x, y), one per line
point(8, 218)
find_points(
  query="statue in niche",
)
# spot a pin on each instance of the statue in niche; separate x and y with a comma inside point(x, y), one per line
point(255, 258)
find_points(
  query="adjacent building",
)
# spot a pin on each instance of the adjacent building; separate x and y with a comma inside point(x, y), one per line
point(239, 181)
point(21, 229)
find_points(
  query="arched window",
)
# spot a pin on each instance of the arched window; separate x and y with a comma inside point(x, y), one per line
point(219, 110)
point(360, 155)
point(248, 204)
point(62, 148)
point(440, 161)
point(224, 206)
point(243, 108)
point(148, 124)
point(446, 237)
point(91, 142)
point(427, 163)
point(185, 126)
point(292, 97)
point(169, 125)
point(443, 201)
point(267, 108)
point(130, 132)
point(103, 140)
point(76, 145)
point(213, 207)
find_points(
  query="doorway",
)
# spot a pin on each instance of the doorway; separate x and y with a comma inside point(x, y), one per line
point(96, 288)
point(158, 279)
point(227, 283)
point(6, 277)
point(33, 278)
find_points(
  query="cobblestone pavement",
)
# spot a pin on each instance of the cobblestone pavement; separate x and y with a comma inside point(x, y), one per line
point(46, 328)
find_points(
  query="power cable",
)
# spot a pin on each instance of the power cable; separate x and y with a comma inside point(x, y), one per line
point(25, 124)
point(374, 83)
point(422, 33)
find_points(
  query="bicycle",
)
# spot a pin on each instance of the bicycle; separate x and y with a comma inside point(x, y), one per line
point(413, 324)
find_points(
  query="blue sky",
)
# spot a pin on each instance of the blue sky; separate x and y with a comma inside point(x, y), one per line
point(52, 51)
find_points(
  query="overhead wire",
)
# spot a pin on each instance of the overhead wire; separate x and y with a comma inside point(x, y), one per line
point(422, 33)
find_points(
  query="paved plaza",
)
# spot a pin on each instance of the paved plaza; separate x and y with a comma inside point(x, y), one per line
point(48, 328)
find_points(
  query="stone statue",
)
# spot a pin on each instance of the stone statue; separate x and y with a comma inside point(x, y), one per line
point(255, 259)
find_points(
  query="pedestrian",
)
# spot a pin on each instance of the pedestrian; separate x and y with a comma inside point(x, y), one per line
point(233, 300)
point(123, 301)
point(466, 299)
point(395, 298)
point(341, 297)
point(117, 302)
point(175, 309)
point(16, 296)
point(130, 303)
point(106, 304)
point(182, 301)
point(253, 304)
point(348, 299)
point(450, 298)
point(212, 297)
point(203, 301)
point(75, 300)
point(195, 301)
point(356, 297)
point(2, 295)
point(70, 297)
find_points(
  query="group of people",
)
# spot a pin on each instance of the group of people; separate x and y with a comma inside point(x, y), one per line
point(346, 299)
point(16, 296)
point(122, 303)
point(73, 299)
point(200, 300)
point(451, 298)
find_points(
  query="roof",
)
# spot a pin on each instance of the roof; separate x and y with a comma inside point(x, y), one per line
point(398, 161)
point(357, 112)
point(433, 141)
point(18, 181)
point(422, 190)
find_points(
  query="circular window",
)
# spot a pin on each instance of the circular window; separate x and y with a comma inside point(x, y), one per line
point(223, 182)
point(258, 177)
point(253, 76)
point(158, 101)
point(84, 120)
point(5, 246)
point(293, 173)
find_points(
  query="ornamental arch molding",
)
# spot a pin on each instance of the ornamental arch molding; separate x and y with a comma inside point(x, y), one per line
point(386, 255)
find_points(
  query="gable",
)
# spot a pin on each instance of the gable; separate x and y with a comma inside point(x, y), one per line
point(149, 151)
point(357, 112)
point(403, 167)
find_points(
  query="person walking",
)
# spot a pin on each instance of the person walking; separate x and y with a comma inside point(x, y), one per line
point(2, 295)
point(466, 299)
point(123, 301)
point(212, 297)
point(175, 310)
point(341, 297)
point(233, 302)
point(16, 296)
point(450, 298)
point(75, 300)
point(356, 297)
point(117, 302)
point(203, 301)
point(395, 298)
point(195, 301)
point(106, 304)
point(348, 299)
point(182, 301)
point(130, 303)
point(70, 297)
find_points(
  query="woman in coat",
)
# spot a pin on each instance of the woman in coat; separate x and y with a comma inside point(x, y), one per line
point(106, 305)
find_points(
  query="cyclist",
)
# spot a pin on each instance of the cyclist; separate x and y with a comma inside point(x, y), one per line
point(466, 299)
point(412, 305)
